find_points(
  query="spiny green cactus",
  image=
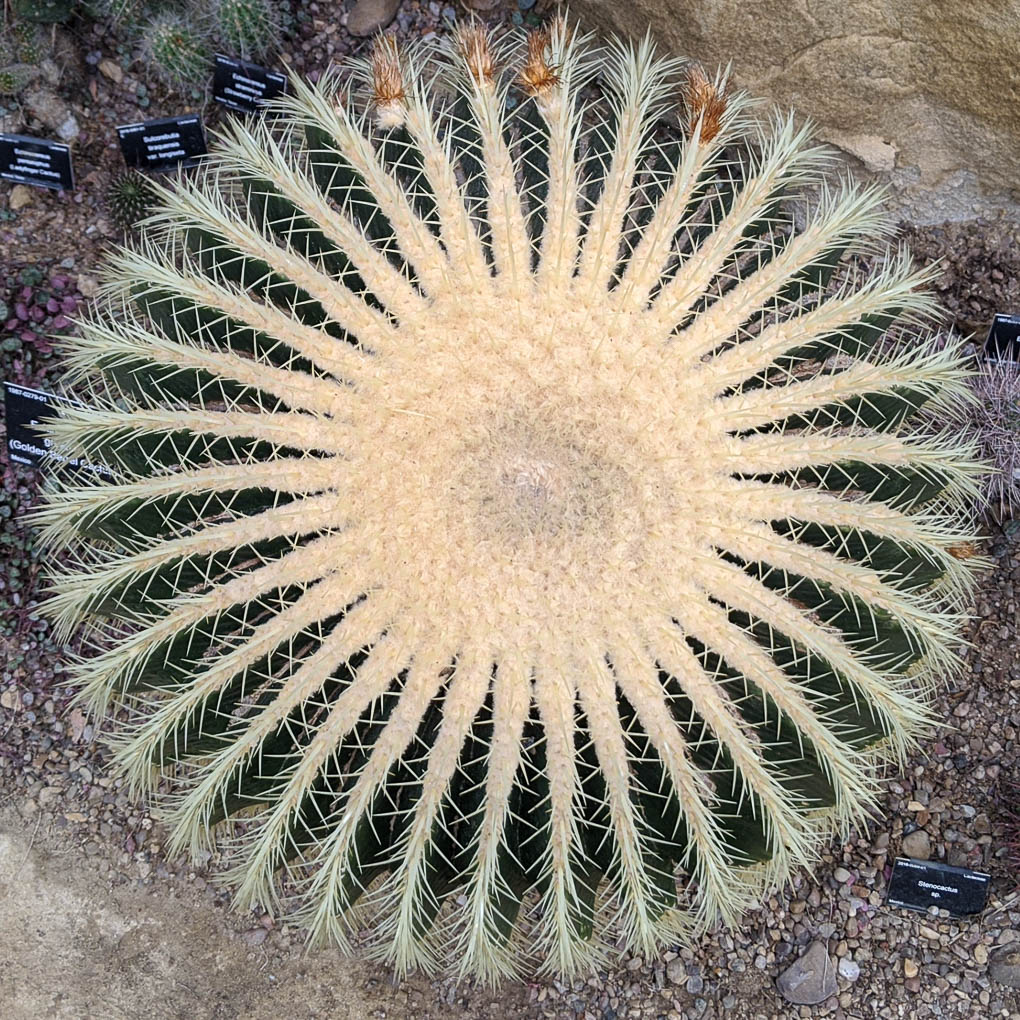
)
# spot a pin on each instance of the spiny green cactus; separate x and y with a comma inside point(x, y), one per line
point(21, 50)
point(28, 43)
point(130, 198)
point(14, 78)
point(246, 28)
point(42, 11)
point(117, 12)
point(517, 521)
point(177, 50)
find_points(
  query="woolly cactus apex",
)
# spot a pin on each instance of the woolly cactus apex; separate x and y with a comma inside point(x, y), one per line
point(516, 520)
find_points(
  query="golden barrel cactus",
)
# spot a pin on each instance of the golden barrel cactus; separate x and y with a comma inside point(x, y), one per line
point(523, 540)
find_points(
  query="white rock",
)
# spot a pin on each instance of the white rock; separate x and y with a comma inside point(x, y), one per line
point(849, 969)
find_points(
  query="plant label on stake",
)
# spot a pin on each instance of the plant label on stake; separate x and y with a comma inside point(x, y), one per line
point(243, 86)
point(920, 885)
point(24, 410)
point(1004, 338)
point(163, 144)
point(36, 161)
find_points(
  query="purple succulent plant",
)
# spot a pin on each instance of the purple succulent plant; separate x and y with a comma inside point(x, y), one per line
point(33, 309)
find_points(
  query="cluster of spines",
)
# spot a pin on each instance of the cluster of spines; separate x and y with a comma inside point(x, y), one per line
point(246, 28)
point(179, 39)
point(177, 48)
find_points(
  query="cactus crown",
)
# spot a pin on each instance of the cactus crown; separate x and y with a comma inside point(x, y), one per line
point(518, 523)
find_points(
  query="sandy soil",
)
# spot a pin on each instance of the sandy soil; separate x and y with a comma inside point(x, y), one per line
point(85, 946)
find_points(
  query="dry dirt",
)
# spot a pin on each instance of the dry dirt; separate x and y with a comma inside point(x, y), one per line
point(85, 946)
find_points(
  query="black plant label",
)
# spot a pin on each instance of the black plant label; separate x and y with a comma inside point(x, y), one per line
point(245, 87)
point(25, 409)
point(1004, 338)
point(163, 144)
point(36, 161)
point(919, 885)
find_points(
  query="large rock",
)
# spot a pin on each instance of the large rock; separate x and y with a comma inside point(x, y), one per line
point(55, 114)
point(920, 93)
point(1004, 966)
point(809, 980)
point(370, 16)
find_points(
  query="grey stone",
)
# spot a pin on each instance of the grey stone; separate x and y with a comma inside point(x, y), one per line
point(369, 16)
point(809, 980)
point(46, 106)
point(10, 122)
point(1004, 966)
point(676, 971)
point(917, 845)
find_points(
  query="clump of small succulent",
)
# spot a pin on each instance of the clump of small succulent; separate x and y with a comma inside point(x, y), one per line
point(13, 79)
point(246, 28)
point(516, 520)
point(29, 43)
point(179, 40)
point(33, 309)
point(130, 198)
point(177, 49)
point(22, 48)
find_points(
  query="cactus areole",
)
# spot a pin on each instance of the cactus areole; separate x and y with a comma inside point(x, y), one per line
point(525, 541)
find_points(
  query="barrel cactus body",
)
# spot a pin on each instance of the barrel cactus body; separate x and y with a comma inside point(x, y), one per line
point(523, 541)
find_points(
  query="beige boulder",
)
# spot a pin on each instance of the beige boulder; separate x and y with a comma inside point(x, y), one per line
point(921, 93)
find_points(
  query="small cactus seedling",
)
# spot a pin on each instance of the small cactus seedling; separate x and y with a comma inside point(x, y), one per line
point(21, 49)
point(14, 78)
point(178, 51)
point(246, 28)
point(130, 198)
point(29, 43)
point(518, 520)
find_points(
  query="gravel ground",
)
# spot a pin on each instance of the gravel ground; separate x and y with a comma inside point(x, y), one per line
point(67, 819)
